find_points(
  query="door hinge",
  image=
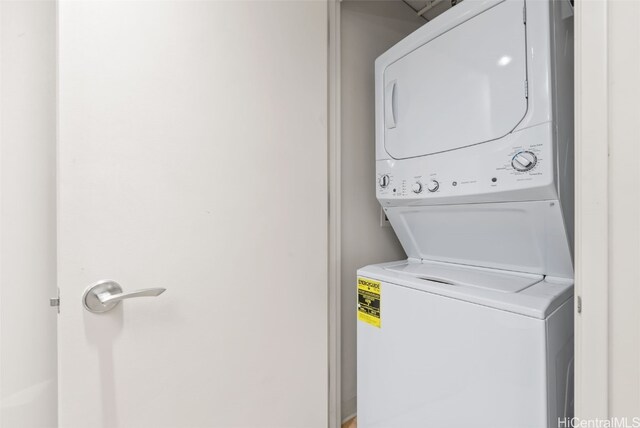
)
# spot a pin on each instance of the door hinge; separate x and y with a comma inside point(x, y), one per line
point(579, 304)
point(526, 89)
point(524, 14)
point(55, 301)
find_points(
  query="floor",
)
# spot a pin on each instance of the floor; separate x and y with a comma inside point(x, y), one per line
point(351, 423)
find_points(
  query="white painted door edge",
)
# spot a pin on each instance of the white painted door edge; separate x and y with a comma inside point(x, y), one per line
point(334, 283)
point(592, 234)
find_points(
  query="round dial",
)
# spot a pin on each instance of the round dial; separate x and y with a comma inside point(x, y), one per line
point(524, 161)
point(417, 187)
point(433, 186)
point(384, 181)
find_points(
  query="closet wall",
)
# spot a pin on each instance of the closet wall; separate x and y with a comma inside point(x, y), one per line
point(368, 28)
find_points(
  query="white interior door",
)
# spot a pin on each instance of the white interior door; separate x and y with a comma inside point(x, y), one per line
point(193, 156)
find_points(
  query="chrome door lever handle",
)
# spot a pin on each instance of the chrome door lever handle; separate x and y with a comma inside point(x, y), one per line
point(106, 295)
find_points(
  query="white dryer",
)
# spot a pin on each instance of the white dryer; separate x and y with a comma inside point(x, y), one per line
point(474, 164)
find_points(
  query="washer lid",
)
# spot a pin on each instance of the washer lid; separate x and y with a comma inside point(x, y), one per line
point(512, 236)
point(465, 86)
point(468, 276)
point(526, 294)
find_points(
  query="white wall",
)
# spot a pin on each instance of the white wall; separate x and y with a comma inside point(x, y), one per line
point(27, 214)
point(607, 209)
point(624, 211)
point(368, 28)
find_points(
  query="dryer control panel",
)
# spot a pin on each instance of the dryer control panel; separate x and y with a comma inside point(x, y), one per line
point(516, 167)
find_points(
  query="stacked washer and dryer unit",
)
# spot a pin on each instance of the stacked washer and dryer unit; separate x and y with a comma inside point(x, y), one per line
point(474, 164)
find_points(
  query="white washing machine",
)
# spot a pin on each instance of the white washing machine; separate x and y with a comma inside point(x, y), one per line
point(474, 164)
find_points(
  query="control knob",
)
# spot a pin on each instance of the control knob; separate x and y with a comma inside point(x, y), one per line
point(524, 161)
point(433, 186)
point(417, 187)
point(384, 181)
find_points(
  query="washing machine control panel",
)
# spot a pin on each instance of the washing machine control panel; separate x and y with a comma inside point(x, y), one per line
point(433, 186)
point(519, 166)
point(384, 181)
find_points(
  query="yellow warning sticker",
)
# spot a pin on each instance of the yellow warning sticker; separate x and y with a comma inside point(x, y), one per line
point(369, 301)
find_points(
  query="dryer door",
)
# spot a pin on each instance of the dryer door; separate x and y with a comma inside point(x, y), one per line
point(465, 86)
